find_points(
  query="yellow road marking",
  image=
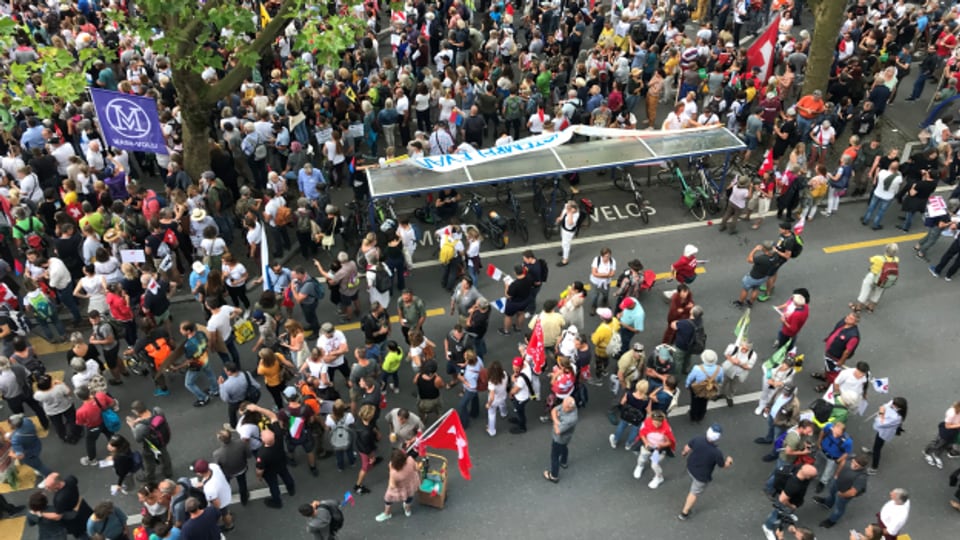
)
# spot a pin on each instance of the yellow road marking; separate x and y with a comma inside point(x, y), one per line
point(872, 243)
point(12, 528)
point(394, 319)
point(43, 347)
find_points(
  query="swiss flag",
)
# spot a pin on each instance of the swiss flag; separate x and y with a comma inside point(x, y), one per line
point(762, 51)
point(767, 164)
point(535, 348)
point(449, 435)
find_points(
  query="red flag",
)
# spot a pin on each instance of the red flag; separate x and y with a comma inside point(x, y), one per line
point(540, 113)
point(767, 164)
point(424, 31)
point(535, 349)
point(762, 51)
point(449, 435)
point(509, 9)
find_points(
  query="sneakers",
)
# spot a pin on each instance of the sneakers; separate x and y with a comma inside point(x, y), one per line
point(953, 454)
point(826, 524)
point(544, 419)
point(159, 392)
point(821, 501)
point(655, 483)
point(87, 462)
point(767, 532)
point(938, 461)
point(613, 442)
point(682, 517)
point(638, 472)
point(866, 450)
point(381, 517)
point(871, 471)
point(201, 402)
point(491, 433)
point(407, 511)
point(947, 278)
point(758, 410)
point(930, 461)
point(933, 271)
point(361, 489)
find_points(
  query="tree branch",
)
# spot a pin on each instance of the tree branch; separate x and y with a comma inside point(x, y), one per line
point(234, 77)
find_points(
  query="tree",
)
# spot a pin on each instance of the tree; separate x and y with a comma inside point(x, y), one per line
point(189, 33)
point(828, 18)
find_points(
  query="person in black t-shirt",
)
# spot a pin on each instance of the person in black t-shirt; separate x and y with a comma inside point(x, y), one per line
point(272, 459)
point(783, 251)
point(519, 293)
point(763, 259)
point(790, 496)
point(67, 248)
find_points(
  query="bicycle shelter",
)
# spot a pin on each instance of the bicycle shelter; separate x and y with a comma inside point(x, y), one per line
point(648, 148)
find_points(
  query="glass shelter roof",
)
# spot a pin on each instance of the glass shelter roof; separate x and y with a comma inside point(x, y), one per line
point(406, 178)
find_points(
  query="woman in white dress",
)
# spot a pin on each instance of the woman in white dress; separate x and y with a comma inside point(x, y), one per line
point(382, 298)
point(93, 288)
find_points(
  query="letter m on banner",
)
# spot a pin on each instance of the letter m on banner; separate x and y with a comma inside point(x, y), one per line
point(129, 122)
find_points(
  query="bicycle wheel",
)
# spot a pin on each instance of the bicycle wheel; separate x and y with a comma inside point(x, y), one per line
point(697, 210)
point(645, 213)
point(641, 205)
point(621, 179)
point(711, 199)
point(666, 178)
point(548, 229)
point(502, 194)
point(498, 241)
point(520, 226)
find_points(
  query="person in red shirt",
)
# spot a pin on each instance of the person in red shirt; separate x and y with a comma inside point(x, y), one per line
point(793, 315)
point(89, 415)
point(946, 41)
point(685, 269)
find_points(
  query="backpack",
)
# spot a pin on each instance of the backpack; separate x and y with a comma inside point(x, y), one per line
point(20, 325)
point(170, 239)
point(383, 281)
point(341, 437)
point(586, 210)
point(159, 434)
point(681, 14)
point(137, 229)
point(889, 273)
point(511, 108)
point(42, 307)
point(709, 388)
point(778, 444)
point(822, 409)
point(744, 112)
point(533, 103)
point(614, 345)
point(225, 195)
point(544, 270)
point(336, 515)
point(699, 342)
point(304, 224)
point(31, 237)
point(448, 250)
point(797, 247)
point(284, 216)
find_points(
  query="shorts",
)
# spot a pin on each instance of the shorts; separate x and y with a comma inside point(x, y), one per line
point(452, 368)
point(752, 142)
point(306, 442)
point(512, 308)
point(430, 406)
point(354, 394)
point(696, 487)
point(224, 512)
point(750, 283)
point(366, 461)
point(345, 300)
point(162, 317)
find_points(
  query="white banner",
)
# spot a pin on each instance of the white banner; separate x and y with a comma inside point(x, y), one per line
point(456, 161)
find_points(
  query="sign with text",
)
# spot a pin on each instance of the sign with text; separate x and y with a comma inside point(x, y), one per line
point(129, 122)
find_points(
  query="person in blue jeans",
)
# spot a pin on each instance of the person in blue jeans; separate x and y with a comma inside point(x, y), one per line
point(469, 406)
point(633, 411)
point(565, 420)
point(26, 445)
point(888, 184)
point(952, 251)
point(850, 482)
point(196, 362)
point(341, 416)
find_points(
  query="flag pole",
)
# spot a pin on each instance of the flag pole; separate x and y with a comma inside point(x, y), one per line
point(429, 431)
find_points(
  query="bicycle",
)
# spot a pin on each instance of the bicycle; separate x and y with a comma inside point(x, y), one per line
point(517, 222)
point(547, 209)
point(694, 197)
point(709, 187)
point(355, 226)
point(492, 226)
point(624, 180)
point(383, 208)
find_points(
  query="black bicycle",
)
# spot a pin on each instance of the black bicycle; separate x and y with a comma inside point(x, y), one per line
point(517, 222)
point(548, 207)
point(624, 180)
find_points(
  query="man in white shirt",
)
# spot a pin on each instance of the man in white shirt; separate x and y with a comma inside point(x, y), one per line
point(278, 234)
point(216, 488)
point(894, 514)
point(12, 162)
point(333, 345)
point(520, 386)
point(220, 327)
point(94, 157)
point(62, 152)
point(408, 237)
point(59, 278)
point(30, 188)
point(888, 184)
point(402, 105)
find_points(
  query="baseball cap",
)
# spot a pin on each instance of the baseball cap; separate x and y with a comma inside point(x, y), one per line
point(663, 353)
point(201, 466)
point(628, 303)
point(258, 315)
point(290, 392)
point(638, 347)
point(518, 362)
point(714, 432)
point(326, 328)
point(605, 313)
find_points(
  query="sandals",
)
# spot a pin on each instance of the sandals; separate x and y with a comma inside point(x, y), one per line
point(855, 306)
point(819, 375)
point(820, 388)
point(869, 307)
point(549, 478)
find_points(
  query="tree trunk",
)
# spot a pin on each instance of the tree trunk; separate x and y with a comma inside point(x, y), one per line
point(828, 18)
point(195, 115)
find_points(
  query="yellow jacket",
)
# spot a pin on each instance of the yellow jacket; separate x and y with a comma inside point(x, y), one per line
point(602, 335)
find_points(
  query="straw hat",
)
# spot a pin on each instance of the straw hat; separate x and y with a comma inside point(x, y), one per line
point(198, 214)
point(111, 235)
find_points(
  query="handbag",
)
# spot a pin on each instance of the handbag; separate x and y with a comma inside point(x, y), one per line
point(243, 331)
point(252, 393)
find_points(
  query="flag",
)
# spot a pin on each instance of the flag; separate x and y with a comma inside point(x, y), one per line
point(882, 385)
point(425, 32)
point(352, 166)
point(777, 357)
point(540, 113)
point(762, 51)
point(347, 499)
point(767, 164)
point(829, 395)
point(535, 348)
point(500, 304)
point(264, 16)
point(494, 272)
point(740, 330)
point(509, 9)
point(798, 226)
point(399, 17)
point(449, 435)
point(296, 427)
point(265, 259)
point(153, 286)
point(455, 117)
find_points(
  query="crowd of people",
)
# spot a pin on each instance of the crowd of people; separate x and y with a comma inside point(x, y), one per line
point(473, 76)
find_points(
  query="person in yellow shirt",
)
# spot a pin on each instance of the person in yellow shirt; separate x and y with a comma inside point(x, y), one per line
point(884, 273)
point(552, 324)
point(608, 328)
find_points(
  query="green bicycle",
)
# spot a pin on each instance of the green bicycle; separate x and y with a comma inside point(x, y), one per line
point(694, 197)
